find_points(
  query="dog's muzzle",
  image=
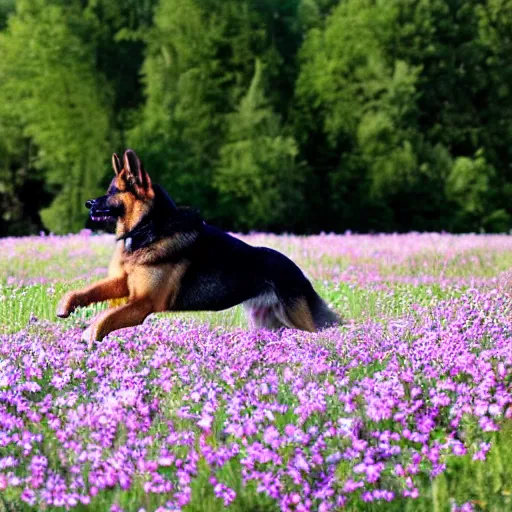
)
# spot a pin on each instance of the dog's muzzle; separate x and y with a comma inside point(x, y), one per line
point(98, 214)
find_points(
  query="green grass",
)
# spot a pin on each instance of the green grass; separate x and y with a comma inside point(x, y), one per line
point(19, 304)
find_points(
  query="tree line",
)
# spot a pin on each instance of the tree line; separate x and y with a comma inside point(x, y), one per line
point(282, 115)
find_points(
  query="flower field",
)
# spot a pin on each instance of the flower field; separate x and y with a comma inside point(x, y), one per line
point(407, 406)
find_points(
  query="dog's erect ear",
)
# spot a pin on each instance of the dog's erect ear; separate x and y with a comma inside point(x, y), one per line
point(135, 170)
point(116, 164)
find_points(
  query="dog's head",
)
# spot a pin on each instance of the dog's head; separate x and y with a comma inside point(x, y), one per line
point(129, 197)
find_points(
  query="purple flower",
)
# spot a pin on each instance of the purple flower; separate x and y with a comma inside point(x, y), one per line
point(374, 403)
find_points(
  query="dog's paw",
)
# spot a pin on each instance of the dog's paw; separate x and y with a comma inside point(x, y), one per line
point(66, 305)
point(89, 336)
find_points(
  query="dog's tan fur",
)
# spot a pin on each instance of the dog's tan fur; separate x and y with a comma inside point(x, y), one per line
point(299, 316)
point(149, 285)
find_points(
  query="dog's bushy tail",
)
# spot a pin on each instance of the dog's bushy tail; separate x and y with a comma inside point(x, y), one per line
point(322, 315)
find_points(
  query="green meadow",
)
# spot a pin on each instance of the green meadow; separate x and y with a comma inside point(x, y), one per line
point(365, 283)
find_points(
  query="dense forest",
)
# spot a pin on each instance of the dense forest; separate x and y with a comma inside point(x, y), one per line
point(277, 115)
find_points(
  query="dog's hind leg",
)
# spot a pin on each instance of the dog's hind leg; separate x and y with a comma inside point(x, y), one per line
point(262, 312)
point(269, 312)
point(128, 315)
point(263, 317)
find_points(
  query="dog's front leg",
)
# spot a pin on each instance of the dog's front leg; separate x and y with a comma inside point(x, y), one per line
point(109, 288)
point(127, 315)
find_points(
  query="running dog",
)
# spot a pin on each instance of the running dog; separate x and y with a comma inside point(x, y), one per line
point(169, 259)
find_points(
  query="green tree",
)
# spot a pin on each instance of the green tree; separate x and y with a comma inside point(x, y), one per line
point(49, 83)
point(199, 66)
point(116, 38)
point(366, 103)
point(258, 178)
point(469, 186)
point(6, 8)
point(397, 86)
point(193, 67)
point(392, 115)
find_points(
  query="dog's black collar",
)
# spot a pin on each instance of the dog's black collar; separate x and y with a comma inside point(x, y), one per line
point(151, 230)
point(153, 227)
point(144, 234)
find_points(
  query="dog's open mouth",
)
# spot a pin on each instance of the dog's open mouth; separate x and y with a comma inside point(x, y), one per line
point(102, 216)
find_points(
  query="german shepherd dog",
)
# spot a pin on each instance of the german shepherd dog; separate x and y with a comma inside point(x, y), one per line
point(168, 259)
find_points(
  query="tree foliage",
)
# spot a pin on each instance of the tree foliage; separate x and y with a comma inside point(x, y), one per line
point(258, 171)
point(49, 85)
point(301, 115)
